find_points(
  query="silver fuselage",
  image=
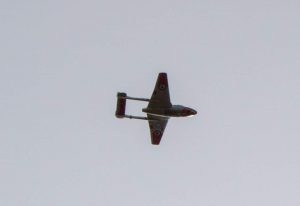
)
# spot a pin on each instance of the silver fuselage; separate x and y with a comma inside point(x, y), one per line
point(174, 111)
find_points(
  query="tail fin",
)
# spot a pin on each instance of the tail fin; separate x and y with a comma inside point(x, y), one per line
point(121, 105)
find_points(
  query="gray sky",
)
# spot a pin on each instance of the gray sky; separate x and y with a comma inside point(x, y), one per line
point(236, 62)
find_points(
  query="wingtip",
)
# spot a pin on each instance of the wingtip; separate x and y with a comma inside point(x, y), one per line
point(155, 144)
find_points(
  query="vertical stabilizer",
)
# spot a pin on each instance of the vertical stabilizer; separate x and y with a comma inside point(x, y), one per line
point(121, 105)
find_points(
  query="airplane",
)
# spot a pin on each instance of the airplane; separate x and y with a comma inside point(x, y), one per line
point(159, 108)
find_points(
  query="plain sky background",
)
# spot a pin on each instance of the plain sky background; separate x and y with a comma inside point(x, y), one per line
point(236, 62)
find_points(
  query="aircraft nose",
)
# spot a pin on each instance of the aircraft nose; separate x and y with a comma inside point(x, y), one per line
point(194, 112)
point(188, 112)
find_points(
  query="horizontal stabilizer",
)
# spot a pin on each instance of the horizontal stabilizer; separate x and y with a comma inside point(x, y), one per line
point(121, 105)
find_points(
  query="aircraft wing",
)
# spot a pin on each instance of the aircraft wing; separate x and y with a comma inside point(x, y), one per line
point(160, 97)
point(157, 127)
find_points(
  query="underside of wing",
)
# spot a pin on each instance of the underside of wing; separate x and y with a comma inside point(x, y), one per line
point(160, 97)
point(157, 127)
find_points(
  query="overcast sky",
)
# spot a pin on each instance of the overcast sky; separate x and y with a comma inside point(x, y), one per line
point(236, 62)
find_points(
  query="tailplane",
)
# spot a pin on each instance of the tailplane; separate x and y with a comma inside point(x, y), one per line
point(121, 105)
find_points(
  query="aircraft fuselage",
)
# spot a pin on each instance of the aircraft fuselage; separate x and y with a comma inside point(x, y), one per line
point(174, 111)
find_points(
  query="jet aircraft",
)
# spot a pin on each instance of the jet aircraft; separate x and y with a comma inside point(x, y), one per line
point(159, 108)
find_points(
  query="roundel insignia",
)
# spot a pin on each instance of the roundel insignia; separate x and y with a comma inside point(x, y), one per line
point(157, 132)
point(162, 86)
